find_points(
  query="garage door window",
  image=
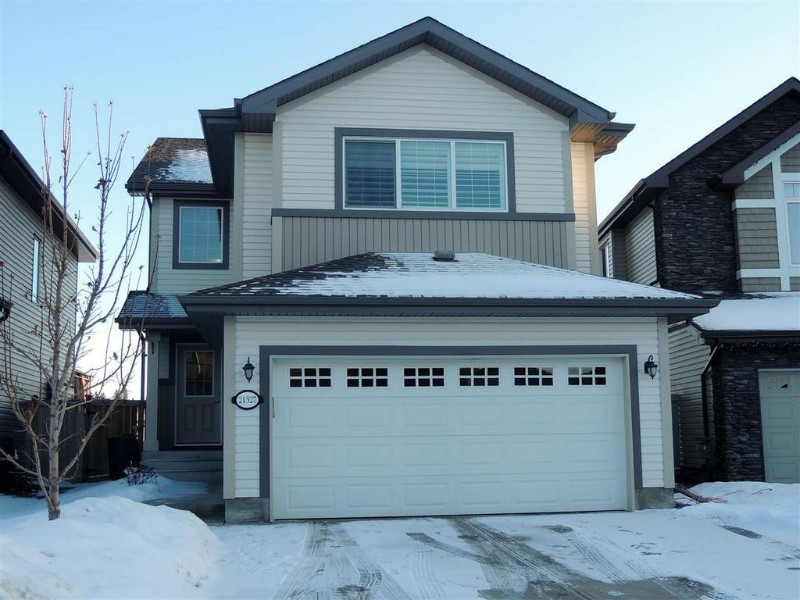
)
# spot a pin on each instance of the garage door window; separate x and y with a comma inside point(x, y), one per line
point(534, 376)
point(309, 377)
point(423, 377)
point(587, 376)
point(479, 376)
point(367, 377)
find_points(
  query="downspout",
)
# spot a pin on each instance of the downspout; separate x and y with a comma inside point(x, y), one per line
point(143, 363)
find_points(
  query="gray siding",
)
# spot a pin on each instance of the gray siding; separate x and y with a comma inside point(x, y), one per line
point(619, 258)
point(757, 238)
point(311, 240)
point(640, 248)
point(790, 160)
point(18, 226)
point(761, 284)
point(758, 186)
point(687, 358)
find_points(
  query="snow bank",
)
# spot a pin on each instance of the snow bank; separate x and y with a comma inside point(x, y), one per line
point(769, 509)
point(105, 548)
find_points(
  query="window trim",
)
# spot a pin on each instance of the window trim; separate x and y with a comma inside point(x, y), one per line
point(177, 205)
point(398, 135)
point(36, 269)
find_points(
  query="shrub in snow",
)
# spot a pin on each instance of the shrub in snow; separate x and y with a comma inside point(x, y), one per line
point(141, 474)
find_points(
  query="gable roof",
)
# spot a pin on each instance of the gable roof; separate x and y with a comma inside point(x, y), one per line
point(641, 193)
point(256, 112)
point(16, 170)
point(173, 164)
point(416, 283)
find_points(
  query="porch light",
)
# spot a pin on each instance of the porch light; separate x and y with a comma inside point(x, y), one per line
point(650, 367)
point(249, 367)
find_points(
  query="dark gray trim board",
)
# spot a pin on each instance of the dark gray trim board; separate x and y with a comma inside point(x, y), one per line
point(266, 353)
point(490, 136)
point(226, 234)
point(393, 213)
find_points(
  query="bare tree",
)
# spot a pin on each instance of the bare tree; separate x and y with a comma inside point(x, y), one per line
point(74, 315)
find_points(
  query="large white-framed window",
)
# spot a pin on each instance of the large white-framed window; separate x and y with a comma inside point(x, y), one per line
point(424, 174)
point(36, 268)
point(791, 196)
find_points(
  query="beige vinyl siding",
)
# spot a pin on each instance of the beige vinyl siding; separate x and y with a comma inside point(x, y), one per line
point(790, 160)
point(256, 230)
point(587, 258)
point(19, 224)
point(311, 240)
point(688, 357)
point(760, 284)
point(420, 89)
point(253, 332)
point(167, 280)
point(640, 248)
point(758, 186)
point(757, 238)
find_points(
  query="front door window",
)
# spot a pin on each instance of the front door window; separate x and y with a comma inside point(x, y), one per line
point(199, 373)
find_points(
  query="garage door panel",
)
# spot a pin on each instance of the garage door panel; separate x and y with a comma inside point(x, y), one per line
point(780, 420)
point(452, 449)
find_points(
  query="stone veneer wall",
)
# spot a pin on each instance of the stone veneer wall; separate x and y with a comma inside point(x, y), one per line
point(694, 224)
point(737, 408)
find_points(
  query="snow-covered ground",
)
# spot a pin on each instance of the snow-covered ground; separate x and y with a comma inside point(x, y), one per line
point(115, 548)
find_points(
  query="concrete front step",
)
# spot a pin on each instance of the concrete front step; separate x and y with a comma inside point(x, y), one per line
point(186, 465)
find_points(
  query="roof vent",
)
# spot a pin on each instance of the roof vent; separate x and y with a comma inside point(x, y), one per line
point(444, 255)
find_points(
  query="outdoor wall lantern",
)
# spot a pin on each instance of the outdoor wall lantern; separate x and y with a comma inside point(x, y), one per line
point(249, 367)
point(650, 367)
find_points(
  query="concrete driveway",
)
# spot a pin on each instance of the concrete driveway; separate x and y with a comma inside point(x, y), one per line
point(642, 555)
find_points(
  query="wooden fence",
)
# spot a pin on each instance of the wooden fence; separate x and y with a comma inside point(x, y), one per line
point(127, 419)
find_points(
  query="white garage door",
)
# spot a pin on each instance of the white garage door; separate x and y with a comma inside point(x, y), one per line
point(433, 436)
point(780, 419)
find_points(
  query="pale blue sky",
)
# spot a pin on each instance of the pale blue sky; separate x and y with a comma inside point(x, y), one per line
point(677, 70)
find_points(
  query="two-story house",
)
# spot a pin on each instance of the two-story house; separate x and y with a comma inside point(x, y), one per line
point(24, 269)
point(723, 219)
point(373, 296)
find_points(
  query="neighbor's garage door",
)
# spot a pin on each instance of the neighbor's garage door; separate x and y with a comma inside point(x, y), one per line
point(428, 436)
point(780, 419)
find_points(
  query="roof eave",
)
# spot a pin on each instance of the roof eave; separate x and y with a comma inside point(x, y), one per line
point(744, 337)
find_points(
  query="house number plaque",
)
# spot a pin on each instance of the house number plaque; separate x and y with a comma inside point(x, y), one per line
point(247, 399)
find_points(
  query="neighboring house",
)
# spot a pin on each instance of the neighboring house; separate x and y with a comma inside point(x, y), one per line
point(297, 239)
point(723, 219)
point(23, 269)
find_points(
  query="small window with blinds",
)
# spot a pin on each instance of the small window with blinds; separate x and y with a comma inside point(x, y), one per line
point(425, 174)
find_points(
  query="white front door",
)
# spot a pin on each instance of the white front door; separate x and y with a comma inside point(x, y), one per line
point(780, 421)
point(368, 437)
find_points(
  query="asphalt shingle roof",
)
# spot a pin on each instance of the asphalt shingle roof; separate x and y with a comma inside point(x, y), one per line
point(172, 161)
point(143, 308)
point(418, 275)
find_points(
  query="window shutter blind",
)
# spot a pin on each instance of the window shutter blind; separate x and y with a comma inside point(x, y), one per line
point(370, 174)
point(425, 174)
point(479, 175)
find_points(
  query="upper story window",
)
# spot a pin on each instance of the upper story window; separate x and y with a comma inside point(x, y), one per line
point(425, 174)
point(36, 268)
point(791, 193)
point(200, 235)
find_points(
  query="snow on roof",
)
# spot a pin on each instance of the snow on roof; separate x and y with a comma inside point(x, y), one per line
point(141, 306)
point(170, 161)
point(186, 166)
point(418, 275)
point(755, 312)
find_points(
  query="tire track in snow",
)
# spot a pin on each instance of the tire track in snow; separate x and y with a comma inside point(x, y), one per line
point(427, 582)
